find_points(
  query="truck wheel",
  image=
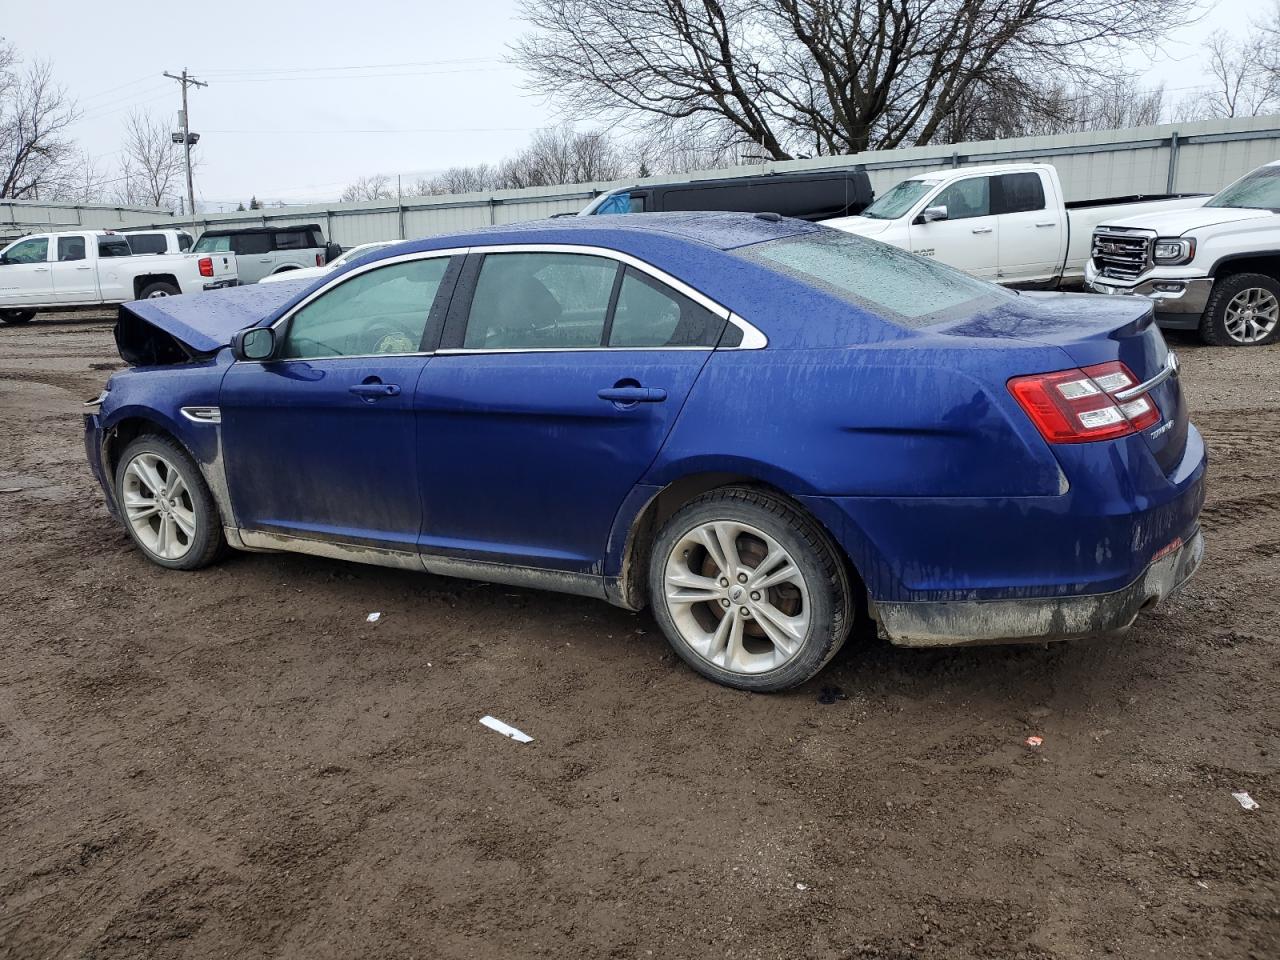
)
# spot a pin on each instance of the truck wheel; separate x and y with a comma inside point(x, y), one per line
point(159, 289)
point(750, 592)
point(1243, 311)
point(15, 317)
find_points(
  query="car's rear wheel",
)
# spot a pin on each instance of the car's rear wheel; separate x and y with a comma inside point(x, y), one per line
point(1243, 311)
point(749, 591)
point(15, 317)
point(158, 289)
point(167, 507)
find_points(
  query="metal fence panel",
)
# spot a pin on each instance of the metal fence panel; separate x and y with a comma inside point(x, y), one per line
point(1191, 157)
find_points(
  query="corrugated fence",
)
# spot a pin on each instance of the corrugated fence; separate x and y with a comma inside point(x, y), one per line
point(1169, 158)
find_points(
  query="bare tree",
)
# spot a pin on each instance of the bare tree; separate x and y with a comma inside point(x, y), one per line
point(376, 187)
point(817, 76)
point(81, 180)
point(557, 155)
point(1246, 76)
point(35, 114)
point(152, 170)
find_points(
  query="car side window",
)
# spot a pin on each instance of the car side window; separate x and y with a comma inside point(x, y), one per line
point(965, 199)
point(1021, 193)
point(381, 312)
point(651, 314)
point(114, 247)
point(35, 250)
point(70, 249)
point(293, 240)
point(530, 301)
point(248, 244)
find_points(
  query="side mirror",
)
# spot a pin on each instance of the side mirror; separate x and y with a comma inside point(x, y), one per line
point(331, 252)
point(256, 343)
point(934, 213)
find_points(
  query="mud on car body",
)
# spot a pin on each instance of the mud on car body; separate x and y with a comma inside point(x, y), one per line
point(762, 428)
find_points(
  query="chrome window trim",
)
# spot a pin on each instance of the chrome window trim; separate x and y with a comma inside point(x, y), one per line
point(752, 337)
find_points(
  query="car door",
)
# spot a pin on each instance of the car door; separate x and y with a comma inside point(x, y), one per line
point(293, 248)
point(968, 238)
point(320, 440)
point(1032, 237)
point(74, 279)
point(25, 277)
point(253, 255)
point(559, 378)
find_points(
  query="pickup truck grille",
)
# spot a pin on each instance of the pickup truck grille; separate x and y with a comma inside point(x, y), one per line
point(1121, 255)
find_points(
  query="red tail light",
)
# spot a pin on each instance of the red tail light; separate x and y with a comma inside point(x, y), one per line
point(1078, 406)
point(206, 266)
point(319, 259)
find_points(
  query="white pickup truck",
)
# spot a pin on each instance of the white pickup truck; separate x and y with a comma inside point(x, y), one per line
point(1215, 269)
point(58, 271)
point(1007, 223)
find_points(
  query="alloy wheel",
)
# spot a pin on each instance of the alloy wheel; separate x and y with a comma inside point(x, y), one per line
point(1252, 315)
point(158, 506)
point(737, 597)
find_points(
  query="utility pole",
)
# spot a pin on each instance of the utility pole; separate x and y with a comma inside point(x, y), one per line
point(188, 140)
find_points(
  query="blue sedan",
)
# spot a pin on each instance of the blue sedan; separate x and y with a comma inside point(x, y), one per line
point(765, 430)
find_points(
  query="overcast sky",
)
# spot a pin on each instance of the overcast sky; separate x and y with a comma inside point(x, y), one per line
point(304, 97)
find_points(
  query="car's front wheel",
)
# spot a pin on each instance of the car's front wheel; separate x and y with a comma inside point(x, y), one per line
point(167, 507)
point(749, 591)
point(1243, 311)
point(15, 317)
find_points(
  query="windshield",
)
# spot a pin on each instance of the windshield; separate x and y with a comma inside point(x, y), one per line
point(899, 200)
point(1258, 190)
point(910, 290)
point(208, 244)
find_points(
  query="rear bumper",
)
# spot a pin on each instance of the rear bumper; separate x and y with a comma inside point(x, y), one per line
point(221, 284)
point(976, 622)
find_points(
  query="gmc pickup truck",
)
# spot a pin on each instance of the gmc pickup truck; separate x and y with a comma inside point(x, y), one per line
point(1007, 223)
point(1215, 269)
point(95, 267)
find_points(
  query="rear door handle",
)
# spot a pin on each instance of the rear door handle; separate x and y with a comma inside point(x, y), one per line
point(981, 229)
point(633, 394)
point(1051, 223)
point(373, 391)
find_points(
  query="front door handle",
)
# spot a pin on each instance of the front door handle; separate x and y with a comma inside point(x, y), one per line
point(374, 391)
point(1051, 223)
point(981, 229)
point(633, 394)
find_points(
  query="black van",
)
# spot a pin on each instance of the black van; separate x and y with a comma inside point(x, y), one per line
point(807, 194)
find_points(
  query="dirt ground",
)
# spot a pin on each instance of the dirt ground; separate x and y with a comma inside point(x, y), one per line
point(233, 763)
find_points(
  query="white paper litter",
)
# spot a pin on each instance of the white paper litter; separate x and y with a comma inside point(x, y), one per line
point(507, 731)
point(373, 617)
point(1245, 800)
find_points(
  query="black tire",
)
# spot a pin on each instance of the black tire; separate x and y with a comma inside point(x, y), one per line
point(830, 596)
point(161, 288)
point(15, 317)
point(208, 542)
point(1213, 324)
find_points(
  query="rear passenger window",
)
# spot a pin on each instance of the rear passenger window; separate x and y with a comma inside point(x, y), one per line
point(651, 314)
point(70, 249)
point(251, 243)
point(1021, 192)
point(147, 243)
point(966, 199)
point(293, 240)
point(531, 301)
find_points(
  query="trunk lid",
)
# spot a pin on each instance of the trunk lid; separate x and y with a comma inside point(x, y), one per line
point(172, 329)
point(1092, 329)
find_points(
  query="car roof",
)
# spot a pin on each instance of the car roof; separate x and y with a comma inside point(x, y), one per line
point(987, 170)
point(720, 231)
point(228, 231)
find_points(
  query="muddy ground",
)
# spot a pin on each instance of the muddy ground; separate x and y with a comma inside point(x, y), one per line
point(233, 763)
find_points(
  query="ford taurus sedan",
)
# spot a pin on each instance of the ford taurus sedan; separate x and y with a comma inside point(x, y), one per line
point(764, 429)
